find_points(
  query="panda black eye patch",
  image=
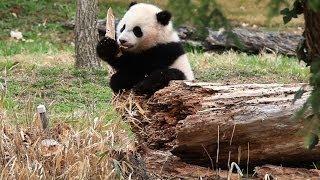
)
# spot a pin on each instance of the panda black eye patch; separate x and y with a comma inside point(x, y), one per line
point(123, 28)
point(137, 31)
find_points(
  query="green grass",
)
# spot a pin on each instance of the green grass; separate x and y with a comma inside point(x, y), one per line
point(231, 67)
point(63, 89)
point(40, 22)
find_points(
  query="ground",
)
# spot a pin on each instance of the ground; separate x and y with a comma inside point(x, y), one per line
point(40, 68)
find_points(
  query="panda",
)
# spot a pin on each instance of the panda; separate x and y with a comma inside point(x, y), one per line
point(151, 52)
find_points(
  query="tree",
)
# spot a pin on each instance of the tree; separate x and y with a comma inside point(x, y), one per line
point(309, 51)
point(312, 29)
point(86, 34)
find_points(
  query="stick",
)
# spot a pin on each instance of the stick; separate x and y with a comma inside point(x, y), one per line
point(110, 32)
point(110, 25)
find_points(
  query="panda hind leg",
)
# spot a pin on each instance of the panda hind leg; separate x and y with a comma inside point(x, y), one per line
point(158, 80)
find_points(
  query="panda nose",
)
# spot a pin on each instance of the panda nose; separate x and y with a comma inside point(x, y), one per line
point(122, 41)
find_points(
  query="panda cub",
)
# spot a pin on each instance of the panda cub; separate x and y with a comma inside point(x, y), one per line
point(151, 52)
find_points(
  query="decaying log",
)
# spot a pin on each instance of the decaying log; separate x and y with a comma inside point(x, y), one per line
point(213, 124)
point(277, 172)
point(253, 41)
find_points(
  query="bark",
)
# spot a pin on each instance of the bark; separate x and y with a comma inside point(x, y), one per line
point(312, 29)
point(86, 34)
point(277, 172)
point(205, 123)
point(253, 41)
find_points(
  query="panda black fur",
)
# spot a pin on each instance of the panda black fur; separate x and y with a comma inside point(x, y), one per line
point(152, 54)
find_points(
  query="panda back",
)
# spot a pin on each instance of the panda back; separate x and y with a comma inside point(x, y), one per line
point(182, 64)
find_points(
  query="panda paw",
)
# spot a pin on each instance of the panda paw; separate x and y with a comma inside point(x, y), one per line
point(107, 48)
point(145, 88)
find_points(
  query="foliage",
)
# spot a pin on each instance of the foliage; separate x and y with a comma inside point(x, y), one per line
point(202, 15)
point(289, 14)
point(313, 101)
point(274, 6)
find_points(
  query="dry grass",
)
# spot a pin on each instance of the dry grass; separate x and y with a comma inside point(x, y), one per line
point(91, 152)
point(91, 140)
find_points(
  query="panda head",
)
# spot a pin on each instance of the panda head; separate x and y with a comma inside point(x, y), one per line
point(143, 27)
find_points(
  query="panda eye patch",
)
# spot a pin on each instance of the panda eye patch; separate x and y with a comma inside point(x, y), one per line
point(123, 28)
point(137, 31)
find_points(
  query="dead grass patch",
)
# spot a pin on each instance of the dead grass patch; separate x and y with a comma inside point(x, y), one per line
point(92, 152)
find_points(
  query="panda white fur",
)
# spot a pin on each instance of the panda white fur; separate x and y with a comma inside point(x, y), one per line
point(152, 54)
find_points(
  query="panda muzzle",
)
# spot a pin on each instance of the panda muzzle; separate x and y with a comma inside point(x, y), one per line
point(126, 46)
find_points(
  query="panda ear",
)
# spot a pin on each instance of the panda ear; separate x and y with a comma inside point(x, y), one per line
point(164, 17)
point(132, 3)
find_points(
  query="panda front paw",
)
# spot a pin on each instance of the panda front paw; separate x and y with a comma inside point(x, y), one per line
point(144, 88)
point(107, 48)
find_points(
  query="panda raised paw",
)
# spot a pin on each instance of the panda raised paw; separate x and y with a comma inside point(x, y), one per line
point(107, 48)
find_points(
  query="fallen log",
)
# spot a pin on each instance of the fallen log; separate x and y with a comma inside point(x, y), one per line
point(213, 124)
point(255, 41)
point(252, 40)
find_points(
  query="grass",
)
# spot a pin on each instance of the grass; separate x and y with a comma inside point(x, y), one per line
point(232, 67)
point(63, 89)
point(52, 80)
point(40, 70)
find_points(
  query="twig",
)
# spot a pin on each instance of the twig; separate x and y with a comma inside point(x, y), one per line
point(234, 127)
point(211, 161)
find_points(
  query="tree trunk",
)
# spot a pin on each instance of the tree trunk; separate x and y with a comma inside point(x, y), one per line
point(213, 124)
point(312, 32)
point(86, 34)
